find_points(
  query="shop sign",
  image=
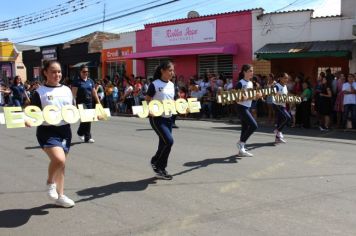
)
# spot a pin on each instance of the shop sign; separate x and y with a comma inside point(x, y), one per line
point(196, 32)
point(115, 54)
point(49, 54)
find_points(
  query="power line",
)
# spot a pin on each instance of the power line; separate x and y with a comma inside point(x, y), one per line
point(88, 20)
point(171, 14)
point(47, 14)
point(100, 22)
point(290, 4)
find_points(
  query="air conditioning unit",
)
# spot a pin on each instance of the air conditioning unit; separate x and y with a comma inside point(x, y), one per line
point(354, 30)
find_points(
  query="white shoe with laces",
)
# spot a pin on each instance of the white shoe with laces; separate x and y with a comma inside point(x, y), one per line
point(280, 140)
point(52, 191)
point(278, 133)
point(244, 153)
point(64, 201)
point(91, 140)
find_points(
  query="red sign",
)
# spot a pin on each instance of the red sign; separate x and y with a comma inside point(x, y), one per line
point(116, 54)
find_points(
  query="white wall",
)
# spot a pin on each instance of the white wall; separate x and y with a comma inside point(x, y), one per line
point(126, 40)
point(300, 27)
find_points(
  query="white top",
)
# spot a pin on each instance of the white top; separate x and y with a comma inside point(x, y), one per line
point(128, 90)
point(58, 96)
point(161, 90)
point(349, 98)
point(244, 85)
point(203, 86)
point(228, 86)
point(280, 90)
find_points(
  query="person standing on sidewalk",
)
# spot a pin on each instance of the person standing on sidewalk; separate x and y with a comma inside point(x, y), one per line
point(162, 89)
point(248, 123)
point(54, 140)
point(283, 116)
point(83, 90)
point(349, 90)
point(18, 92)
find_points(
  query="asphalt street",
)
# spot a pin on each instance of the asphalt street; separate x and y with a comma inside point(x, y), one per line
point(304, 187)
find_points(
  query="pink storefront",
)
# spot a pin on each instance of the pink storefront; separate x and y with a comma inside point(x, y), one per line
point(215, 43)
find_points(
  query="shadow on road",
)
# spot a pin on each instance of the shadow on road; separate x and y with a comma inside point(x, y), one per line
point(17, 217)
point(299, 132)
point(207, 162)
point(106, 190)
point(144, 129)
point(252, 146)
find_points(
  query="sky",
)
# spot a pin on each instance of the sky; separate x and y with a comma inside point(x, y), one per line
point(62, 27)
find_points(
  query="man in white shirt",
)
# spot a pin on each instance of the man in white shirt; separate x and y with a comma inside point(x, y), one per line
point(349, 90)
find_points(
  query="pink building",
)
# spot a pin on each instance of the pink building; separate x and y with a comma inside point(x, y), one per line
point(214, 43)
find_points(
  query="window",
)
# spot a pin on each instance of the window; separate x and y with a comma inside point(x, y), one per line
point(215, 64)
point(117, 67)
point(151, 65)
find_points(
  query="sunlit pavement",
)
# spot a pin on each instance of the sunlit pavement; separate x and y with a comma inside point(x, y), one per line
point(304, 187)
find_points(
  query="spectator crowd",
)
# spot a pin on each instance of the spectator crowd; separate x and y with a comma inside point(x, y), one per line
point(328, 101)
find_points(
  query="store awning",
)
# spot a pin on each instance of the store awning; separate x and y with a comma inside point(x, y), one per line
point(341, 48)
point(87, 63)
point(216, 49)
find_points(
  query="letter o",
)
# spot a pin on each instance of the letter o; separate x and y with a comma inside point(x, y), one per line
point(152, 105)
point(70, 114)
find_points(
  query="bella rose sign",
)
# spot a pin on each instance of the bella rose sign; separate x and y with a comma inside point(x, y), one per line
point(196, 32)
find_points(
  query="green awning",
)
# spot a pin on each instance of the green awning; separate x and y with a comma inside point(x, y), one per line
point(341, 48)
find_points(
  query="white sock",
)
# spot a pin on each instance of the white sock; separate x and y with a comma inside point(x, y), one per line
point(242, 145)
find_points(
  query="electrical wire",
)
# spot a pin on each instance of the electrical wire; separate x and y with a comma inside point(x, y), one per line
point(47, 14)
point(100, 22)
point(86, 21)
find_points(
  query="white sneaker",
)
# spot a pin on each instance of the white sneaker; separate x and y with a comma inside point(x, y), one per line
point(52, 191)
point(244, 153)
point(278, 134)
point(280, 140)
point(91, 141)
point(64, 201)
point(81, 138)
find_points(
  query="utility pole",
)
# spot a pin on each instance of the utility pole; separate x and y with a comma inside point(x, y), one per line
point(104, 13)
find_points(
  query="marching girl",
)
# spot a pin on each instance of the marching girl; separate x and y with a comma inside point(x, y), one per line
point(54, 140)
point(283, 116)
point(248, 123)
point(162, 89)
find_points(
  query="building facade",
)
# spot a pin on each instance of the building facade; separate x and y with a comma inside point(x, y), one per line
point(216, 44)
point(85, 50)
point(295, 41)
point(113, 56)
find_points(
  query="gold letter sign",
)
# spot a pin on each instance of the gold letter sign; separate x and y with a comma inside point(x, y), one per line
point(166, 107)
point(14, 117)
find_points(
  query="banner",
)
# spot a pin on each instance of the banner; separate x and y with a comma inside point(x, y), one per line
point(15, 117)
point(189, 33)
point(233, 96)
point(167, 107)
